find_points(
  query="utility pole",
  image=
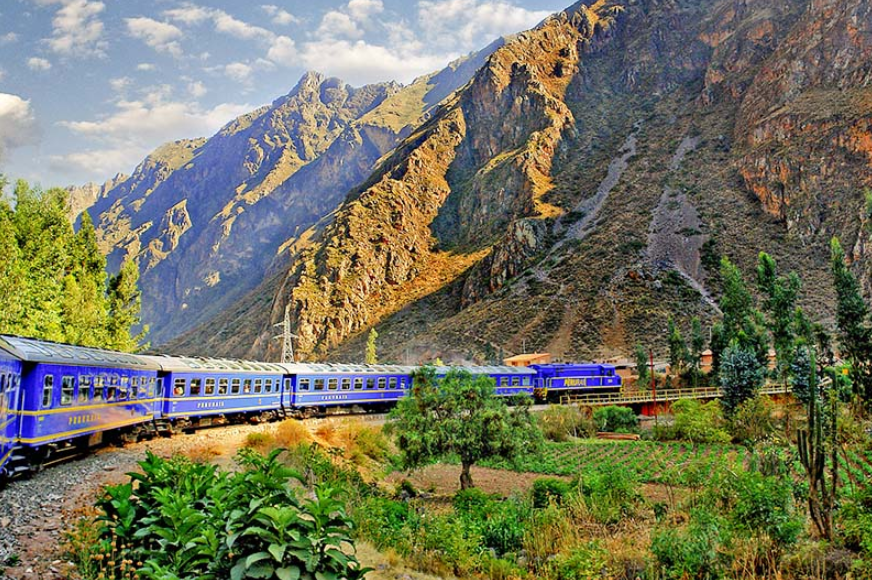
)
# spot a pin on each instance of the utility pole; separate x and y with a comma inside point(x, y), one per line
point(287, 337)
point(653, 386)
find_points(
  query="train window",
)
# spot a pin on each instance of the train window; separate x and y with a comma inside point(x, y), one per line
point(234, 386)
point(392, 383)
point(179, 388)
point(122, 390)
point(68, 385)
point(258, 385)
point(196, 387)
point(134, 387)
point(358, 383)
point(303, 384)
point(332, 383)
point(267, 385)
point(319, 384)
point(516, 381)
point(402, 382)
point(99, 382)
point(150, 387)
point(246, 386)
point(504, 381)
point(370, 383)
point(222, 386)
point(210, 386)
point(47, 387)
point(382, 382)
point(84, 388)
point(526, 381)
point(287, 384)
point(346, 384)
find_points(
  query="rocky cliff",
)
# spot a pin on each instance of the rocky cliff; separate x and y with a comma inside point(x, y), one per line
point(205, 219)
point(579, 190)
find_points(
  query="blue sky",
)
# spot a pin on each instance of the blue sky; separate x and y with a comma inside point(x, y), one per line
point(89, 87)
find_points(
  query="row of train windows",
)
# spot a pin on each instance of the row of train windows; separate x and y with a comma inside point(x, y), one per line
point(516, 381)
point(333, 384)
point(97, 388)
point(8, 385)
point(233, 386)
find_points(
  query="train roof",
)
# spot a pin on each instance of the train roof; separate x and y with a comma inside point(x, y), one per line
point(218, 365)
point(41, 351)
point(346, 369)
point(488, 370)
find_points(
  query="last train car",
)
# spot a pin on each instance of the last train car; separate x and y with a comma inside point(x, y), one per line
point(575, 379)
point(198, 392)
point(320, 386)
point(73, 395)
point(10, 396)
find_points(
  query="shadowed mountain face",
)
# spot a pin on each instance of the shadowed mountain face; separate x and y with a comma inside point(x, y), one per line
point(581, 187)
point(205, 219)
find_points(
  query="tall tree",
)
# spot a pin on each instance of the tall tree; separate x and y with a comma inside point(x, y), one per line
point(460, 414)
point(697, 344)
point(124, 305)
point(741, 376)
point(678, 354)
point(371, 351)
point(12, 273)
point(642, 367)
point(742, 322)
point(779, 304)
point(852, 314)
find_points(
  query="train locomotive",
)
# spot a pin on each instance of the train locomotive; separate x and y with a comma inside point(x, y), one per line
point(57, 398)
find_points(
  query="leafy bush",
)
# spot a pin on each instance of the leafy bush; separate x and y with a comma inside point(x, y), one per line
point(472, 502)
point(616, 419)
point(697, 422)
point(854, 520)
point(586, 562)
point(547, 490)
point(752, 422)
point(188, 520)
point(560, 422)
point(385, 523)
point(764, 507)
point(693, 552)
point(611, 493)
point(503, 530)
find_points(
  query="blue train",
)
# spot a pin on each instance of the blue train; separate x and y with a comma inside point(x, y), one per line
point(56, 398)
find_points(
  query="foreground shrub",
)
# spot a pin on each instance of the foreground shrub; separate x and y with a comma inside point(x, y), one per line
point(615, 419)
point(694, 552)
point(547, 490)
point(752, 422)
point(180, 519)
point(560, 422)
point(504, 529)
point(697, 422)
point(610, 493)
point(584, 562)
point(764, 509)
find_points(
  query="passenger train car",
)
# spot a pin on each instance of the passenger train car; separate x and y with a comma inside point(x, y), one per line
point(56, 396)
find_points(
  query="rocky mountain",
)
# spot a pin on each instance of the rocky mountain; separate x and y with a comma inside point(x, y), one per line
point(84, 196)
point(206, 218)
point(580, 189)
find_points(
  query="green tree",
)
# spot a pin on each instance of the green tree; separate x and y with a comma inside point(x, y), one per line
point(12, 273)
point(801, 374)
point(371, 354)
point(678, 354)
point(741, 375)
point(642, 367)
point(697, 345)
point(124, 305)
point(855, 337)
point(460, 414)
point(779, 304)
point(742, 322)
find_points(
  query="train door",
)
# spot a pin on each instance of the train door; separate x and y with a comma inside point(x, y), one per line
point(10, 402)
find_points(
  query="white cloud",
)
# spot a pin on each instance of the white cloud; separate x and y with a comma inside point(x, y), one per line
point(221, 20)
point(337, 24)
point(239, 72)
point(99, 163)
point(38, 64)
point(279, 16)
point(77, 29)
point(360, 62)
point(466, 23)
point(363, 9)
point(152, 120)
point(283, 51)
point(145, 66)
point(197, 89)
point(120, 85)
point(8, 38)
point(161, 36)
point(17, 123)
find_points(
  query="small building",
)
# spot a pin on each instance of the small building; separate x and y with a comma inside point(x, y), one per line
point(706, 358)
point(525, 360)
